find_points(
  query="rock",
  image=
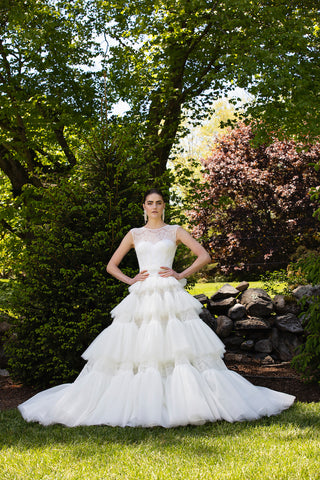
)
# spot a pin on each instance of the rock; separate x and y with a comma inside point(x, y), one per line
point(284, 305)
point(224, 326)
point(221, 307)
point(267, 360)
point(235, 357)
point(279, 303)
point(209, 319)
point(4, 372)
point(287, 345)
point(305, 291)
point(264, 346)
point(275, 338)
point(247, 345)
point(233, 341)
point(242, 286)
point(237, 311)
point(252, 323)
point(257, 302)
point(225, 292)
point(202, 298)
point(289, 323)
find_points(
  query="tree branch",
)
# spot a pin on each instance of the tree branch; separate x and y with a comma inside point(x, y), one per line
point(17, 174)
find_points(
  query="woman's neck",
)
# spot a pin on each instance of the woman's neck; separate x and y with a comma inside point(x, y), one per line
point(154, 224)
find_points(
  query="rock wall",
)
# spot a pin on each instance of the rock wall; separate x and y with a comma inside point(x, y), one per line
point(252, 325)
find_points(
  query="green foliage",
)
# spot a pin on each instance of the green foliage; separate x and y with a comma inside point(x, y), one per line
point(253, 208)
point(62, 295)
point(46, 96)
point(308, 359)
point(277, 282)
point(172, 59)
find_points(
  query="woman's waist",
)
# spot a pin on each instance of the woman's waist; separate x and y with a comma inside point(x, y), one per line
point(153, 270)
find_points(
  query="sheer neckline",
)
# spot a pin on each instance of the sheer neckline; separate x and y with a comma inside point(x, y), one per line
point(163, 226)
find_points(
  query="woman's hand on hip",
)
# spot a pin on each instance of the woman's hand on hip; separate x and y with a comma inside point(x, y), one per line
point(140, 277)
point(168, 272)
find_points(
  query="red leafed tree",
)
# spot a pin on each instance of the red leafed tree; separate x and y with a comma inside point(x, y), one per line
point(254, 208)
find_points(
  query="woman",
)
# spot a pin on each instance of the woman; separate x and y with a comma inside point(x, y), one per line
point(158, 363)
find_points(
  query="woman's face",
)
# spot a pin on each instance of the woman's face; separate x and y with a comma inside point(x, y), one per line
point(154, 206)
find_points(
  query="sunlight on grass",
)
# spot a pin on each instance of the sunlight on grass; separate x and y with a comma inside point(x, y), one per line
point(210, 288)
point(281, 447)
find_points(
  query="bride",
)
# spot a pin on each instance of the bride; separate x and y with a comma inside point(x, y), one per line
point(158, 363)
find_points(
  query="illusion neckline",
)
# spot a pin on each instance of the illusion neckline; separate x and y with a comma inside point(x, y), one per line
point(148, 228)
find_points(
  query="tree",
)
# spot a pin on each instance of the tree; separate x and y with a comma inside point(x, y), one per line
point(285, 98)
point(175, 57)
point(46, 97)
point(167, 58)
point(254, 207)
point(62, 295)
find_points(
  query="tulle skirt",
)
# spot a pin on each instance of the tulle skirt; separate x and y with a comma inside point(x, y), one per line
point(158, 363)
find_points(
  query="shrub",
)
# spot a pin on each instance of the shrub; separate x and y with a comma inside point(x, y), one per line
point(254, 208)
point(62, 294)
point(308, 359)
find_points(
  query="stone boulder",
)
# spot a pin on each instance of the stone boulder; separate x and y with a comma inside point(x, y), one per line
point(233, 342)
point(289, 323)
point(257, 302)
point(252, 323)
point(225, 292)
point(285, 344)
point(247, 345)
point(284, 305)
point(264, 346)
point(306, 291)
point(209, 319)
point(221, 307)
point(224, 326)
point(237, 311)
point(202, 298)
point(242, 286)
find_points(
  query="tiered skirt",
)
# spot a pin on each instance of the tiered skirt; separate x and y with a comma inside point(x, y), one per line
point(158, 363)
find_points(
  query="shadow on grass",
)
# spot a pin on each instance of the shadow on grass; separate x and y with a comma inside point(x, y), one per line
point(14, 431)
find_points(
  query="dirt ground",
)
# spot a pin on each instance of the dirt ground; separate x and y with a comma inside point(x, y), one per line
point(279, 377)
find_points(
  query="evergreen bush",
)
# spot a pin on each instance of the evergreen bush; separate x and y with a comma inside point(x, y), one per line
point(62, 294)
point(308, 359)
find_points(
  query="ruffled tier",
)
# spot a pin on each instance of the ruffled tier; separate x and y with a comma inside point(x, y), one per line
point(148, 398)
point(157, 364)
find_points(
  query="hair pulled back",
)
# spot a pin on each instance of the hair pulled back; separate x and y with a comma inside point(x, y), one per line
point(150, 192)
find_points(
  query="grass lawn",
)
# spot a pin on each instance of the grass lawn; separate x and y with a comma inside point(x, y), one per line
point(280, 447)
point(209, 288)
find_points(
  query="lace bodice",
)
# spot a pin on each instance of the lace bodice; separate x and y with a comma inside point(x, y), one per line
point(155, 247)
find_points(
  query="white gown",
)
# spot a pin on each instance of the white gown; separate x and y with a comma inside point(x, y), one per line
point(158, 363)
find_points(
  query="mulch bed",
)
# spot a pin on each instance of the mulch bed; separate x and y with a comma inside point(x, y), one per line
point(279, 377)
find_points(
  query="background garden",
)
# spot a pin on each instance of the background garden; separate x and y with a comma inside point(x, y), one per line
point(216, 103)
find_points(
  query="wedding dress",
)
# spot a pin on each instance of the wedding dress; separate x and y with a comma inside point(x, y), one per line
point(158, 363)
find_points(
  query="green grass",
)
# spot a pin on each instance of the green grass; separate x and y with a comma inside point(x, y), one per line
point(283, 447)
point(209, 288)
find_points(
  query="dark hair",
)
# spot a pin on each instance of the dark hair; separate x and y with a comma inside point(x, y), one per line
point(149, 192)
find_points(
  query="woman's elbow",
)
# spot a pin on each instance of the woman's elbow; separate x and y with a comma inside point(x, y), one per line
point(207, 258)
point(109, 267)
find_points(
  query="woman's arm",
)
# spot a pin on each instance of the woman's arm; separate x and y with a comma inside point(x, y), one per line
point(202, 259)
point(122, 250)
